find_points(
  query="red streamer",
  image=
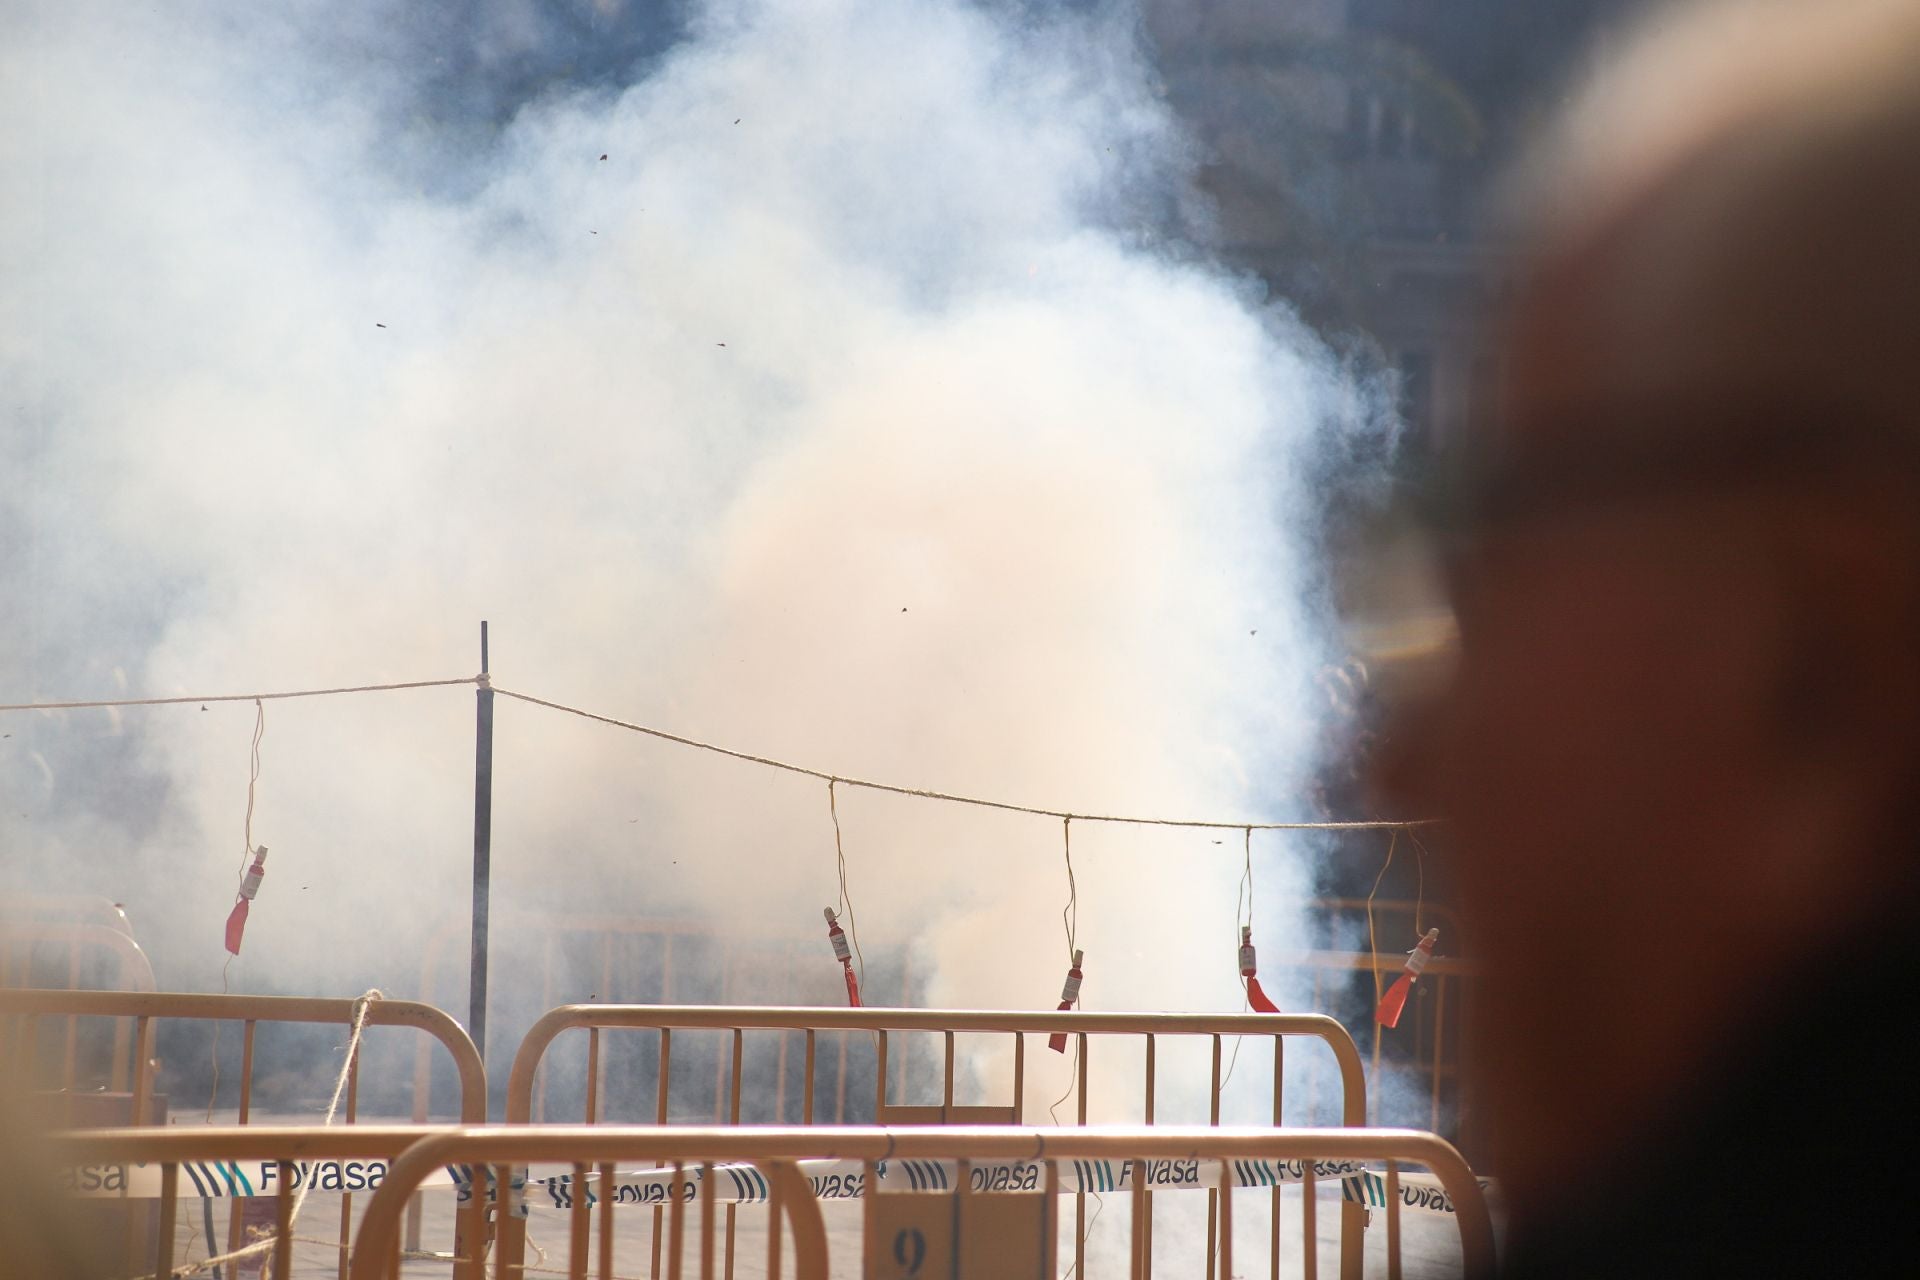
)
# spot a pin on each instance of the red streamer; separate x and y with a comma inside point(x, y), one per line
point(1394, 1002)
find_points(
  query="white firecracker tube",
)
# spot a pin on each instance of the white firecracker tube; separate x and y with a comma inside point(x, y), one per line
point(838, 937)
point(250, 883)
point(1418, 957)
point(1070, 990)
point(1247, 964)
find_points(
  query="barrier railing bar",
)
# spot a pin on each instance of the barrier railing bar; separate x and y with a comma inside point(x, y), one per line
point(806, 1097)
point(1279, 1096)
point(352, 1105)
point(142, 1069)
point(606, 1220)
point(1309, 1228)
point(1226, 1227)
point(1393, 1220)
point(1080, 1198)
point(283, 1222)
point(580, 1223)
point(659, 1117)
point(1146, 1193)
point(739, 1053)
point(676, 1228)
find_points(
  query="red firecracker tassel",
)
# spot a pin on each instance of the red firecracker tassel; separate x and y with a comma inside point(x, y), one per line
point(838, 937)
point(1255, 996)
point(249, 885)
point(1069, 997)
point(1392, 1003)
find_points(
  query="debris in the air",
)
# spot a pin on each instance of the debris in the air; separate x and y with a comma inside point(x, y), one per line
point(378, 325)
point(603, 155)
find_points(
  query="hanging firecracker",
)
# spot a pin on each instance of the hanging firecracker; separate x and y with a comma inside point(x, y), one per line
point(249, 886)
point(1249, 970)
point(1392, 1003)
point(1069, 997)
point(838, 937)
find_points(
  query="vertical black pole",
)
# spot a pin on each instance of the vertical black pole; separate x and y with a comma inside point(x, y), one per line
point(482, 853)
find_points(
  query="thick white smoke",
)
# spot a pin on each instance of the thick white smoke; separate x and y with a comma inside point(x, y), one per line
point(847, 411)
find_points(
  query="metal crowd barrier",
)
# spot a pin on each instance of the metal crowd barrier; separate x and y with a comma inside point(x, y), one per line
point(1147, 1029)
point(25, 943)
point(22, 1010)
point(1213, 1154)
point(226, 1160)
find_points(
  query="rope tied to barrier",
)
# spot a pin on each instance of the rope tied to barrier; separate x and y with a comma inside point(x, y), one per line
point(357, 1025)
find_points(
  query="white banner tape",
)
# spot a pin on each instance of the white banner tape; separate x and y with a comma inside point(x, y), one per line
point(221, 1179)
point(744, 1184)
point(847, 1179)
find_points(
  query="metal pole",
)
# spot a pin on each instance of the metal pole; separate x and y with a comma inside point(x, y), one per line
point(482, 853)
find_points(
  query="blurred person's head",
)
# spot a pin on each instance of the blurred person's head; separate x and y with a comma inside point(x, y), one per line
point(1681, 746)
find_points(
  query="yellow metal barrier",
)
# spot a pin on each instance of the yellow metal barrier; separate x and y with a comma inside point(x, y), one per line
point(216, 1151)
point(24, 944)
point(593, 1152)
point(20, 1012)
point(1148, 1029)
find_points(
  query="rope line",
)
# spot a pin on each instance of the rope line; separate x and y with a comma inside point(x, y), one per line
point(923, 793)
point(951, 797)
point(236, 697)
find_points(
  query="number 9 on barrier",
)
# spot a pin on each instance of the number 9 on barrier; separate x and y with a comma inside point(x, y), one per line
point(960, 1235)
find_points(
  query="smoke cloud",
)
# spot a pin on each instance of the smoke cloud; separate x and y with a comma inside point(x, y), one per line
point(818, 379)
